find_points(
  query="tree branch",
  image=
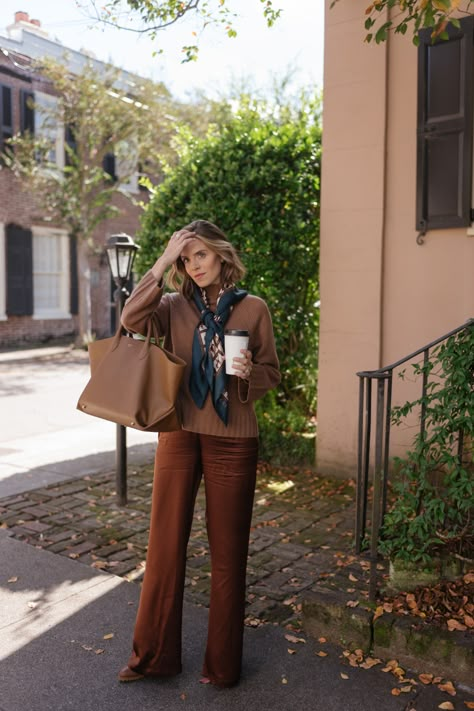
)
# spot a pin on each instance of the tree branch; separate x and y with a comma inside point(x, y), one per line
point(184, 10)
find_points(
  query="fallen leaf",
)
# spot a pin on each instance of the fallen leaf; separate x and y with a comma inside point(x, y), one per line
point(448, 687)
point(294, 640)
point(447, 705)
point(74, 556)
point(14, 579)
point(468, 620)
point(86, 647)
point(353, 578)
point(395, 692)
point(291, 651)
point(352, 603)
point(182, 697)
point(108, 636)
point(425, 678)
point(321, 654)
point(322, 640)
point(398, 671)
point(344, 676)
point(455, 625)
point(468, 578)
point(390, 666)
point(99, 651)
point(100, 564)
point(370, 662)
point(406, 689)
point(378, 612)
point(284, 680)
point(469, 704)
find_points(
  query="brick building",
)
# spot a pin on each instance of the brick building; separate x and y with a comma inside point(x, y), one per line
point(38, 270)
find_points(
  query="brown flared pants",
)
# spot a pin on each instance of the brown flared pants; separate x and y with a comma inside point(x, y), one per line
point(228, 466)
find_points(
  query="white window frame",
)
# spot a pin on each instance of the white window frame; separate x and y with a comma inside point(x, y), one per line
point(63, 310)
point(49, 100)
point(3, 275)
point(126, 160)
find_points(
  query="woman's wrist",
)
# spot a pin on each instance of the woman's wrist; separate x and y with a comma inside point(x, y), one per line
point(158, 270)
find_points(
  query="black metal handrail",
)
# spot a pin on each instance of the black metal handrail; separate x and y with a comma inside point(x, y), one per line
point(384, 379)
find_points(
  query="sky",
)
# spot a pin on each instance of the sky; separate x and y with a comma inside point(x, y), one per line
point(256, 57)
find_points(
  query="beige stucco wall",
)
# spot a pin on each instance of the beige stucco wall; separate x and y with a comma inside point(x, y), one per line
point(382, 295)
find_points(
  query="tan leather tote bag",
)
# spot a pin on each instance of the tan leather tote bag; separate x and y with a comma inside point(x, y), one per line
point(133, 382)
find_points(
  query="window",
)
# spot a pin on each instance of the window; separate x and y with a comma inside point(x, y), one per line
point(48, 128)
point(127, 165)
point(445, 128)
point(51, 287)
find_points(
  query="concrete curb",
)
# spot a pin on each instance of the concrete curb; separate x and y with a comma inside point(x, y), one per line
point(416, 645)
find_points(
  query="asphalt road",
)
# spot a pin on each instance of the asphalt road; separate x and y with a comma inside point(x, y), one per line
point(43, 438)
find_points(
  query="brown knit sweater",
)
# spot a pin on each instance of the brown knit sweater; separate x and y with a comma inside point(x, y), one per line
point(177, 318)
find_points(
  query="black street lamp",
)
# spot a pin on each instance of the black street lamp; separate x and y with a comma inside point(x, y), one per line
point(121, 250)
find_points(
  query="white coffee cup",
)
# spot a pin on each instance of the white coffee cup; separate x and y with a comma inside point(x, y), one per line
point(234, 342)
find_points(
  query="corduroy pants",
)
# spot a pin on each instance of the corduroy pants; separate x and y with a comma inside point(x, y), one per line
point(228, 466)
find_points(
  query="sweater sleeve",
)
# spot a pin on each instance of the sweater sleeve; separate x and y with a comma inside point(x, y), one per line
point(265, 373)
point(144, 303)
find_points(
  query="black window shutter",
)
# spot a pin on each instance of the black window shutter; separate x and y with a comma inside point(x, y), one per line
point(444, 130)
point(70, 140)
point(6, 115)
point(73, 281)
point(19, 254)
point(108, 165)
point(27, 111)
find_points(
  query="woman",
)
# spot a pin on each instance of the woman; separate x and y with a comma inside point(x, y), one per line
point(218, 441)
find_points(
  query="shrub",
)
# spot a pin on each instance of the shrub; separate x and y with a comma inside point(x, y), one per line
point(257, 177)
point(434, 509)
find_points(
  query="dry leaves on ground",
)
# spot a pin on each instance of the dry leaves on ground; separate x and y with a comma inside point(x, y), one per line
point(448, 687)
point(449, 604)
point(294, 640)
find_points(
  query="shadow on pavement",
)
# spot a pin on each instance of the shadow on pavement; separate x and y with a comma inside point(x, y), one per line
point(56, 472)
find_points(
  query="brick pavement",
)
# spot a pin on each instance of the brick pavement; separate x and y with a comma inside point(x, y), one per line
point(301, 536)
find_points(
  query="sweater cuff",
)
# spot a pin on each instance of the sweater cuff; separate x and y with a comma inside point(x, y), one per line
point(159, 282)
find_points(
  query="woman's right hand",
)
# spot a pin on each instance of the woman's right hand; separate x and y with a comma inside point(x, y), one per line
point(172, 251)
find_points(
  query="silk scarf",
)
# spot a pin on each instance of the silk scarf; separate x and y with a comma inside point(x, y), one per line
point(208, 357)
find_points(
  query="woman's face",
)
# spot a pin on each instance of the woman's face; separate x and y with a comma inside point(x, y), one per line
point(201, 263)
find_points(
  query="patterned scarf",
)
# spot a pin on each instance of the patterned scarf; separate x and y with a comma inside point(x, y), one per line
point(208, 363)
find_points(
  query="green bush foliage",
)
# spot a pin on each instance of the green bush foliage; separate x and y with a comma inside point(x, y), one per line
point(433, 513)
point(257, 177)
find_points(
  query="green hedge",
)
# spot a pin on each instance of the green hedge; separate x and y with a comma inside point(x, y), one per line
point(257, 177)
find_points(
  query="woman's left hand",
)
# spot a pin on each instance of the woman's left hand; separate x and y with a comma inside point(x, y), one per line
point(243, 365)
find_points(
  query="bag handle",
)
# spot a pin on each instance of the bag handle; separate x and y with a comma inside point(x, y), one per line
point(151, 329)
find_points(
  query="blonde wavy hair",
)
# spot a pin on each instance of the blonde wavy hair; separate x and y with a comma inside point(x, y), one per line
point(232, 268)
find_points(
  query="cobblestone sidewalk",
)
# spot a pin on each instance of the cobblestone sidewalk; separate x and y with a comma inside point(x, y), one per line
point(301, 536)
